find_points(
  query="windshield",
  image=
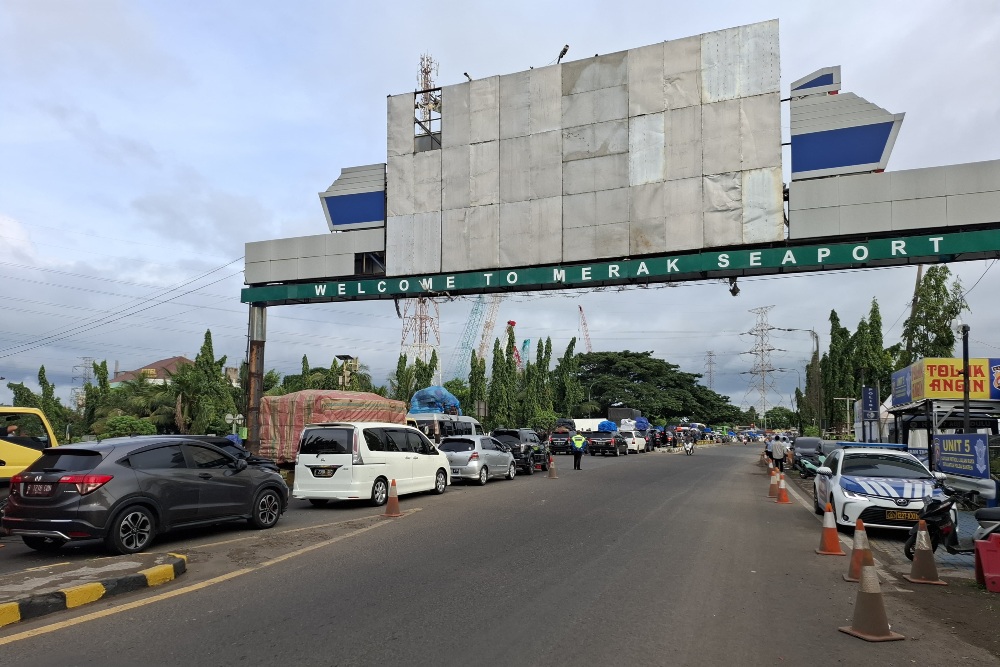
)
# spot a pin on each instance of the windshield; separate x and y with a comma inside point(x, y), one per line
point(457, 445)
point(508, 438)
point(318, 441)
point(882, 465)
point(66, 461)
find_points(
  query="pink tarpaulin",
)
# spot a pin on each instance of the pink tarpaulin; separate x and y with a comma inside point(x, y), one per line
point(282, 418)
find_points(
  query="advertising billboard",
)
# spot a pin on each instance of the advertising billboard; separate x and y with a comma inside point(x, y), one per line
point(940, 378)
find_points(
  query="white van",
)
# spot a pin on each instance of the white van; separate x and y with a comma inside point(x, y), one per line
point(358, 460)
point(437, 425)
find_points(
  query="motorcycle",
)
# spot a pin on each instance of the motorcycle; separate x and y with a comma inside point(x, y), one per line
point(807, 466)
point(941, 528)
point(689, 448)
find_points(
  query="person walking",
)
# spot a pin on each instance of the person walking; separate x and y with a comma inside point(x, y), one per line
point(778, 450)
point(578, 443)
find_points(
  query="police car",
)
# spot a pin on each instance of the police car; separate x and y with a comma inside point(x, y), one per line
point(882, 485)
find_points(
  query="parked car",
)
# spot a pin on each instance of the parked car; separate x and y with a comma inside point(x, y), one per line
point(230, 447)
point(634, 441)
point(559, 440)
point(807, 448)
point(358, 460)
point(605, 442)
point(126, 491)
point(527, 448)
point(478, 457)
point(883, 486)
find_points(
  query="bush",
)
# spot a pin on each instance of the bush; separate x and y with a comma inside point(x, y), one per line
point(124, 425)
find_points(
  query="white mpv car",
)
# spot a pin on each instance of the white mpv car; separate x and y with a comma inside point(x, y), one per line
point(358, 460)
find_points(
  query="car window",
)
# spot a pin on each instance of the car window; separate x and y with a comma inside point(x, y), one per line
point(375, 439)
point(457, 445)
point(882, 465)
point(416, 444)
point(336, 440)
point(66, 461)
point(203, 457)
point(396, 440)
point(834, 462)
point(170, 456)
point(508, 438)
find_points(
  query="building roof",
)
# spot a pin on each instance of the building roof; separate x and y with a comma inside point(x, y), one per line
point(157, 370)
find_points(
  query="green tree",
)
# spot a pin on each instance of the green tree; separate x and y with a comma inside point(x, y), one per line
point(460, 390)
point(927, 331)
point(401, 381)
point(567, 393)
point(501, 394)
point(126, 425)
point(477, 382)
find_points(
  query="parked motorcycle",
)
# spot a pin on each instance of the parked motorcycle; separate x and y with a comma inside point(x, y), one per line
point(807, 466)
point(941, 528)
point(689, 448)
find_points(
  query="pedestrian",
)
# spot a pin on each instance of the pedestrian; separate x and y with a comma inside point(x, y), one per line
point(579, 443)
point(767, 448)
point(778, 450)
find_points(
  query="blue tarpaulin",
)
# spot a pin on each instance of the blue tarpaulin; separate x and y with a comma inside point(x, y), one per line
point(607, 426)
point(641, 423)
point(434, 399)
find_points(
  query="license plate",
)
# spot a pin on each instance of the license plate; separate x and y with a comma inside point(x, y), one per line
point(39, 490)
point(896, 515)
point(323, 472)
point(455, 471)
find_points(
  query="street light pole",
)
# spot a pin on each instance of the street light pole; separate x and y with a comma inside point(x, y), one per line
point(850, 421)
point(963, 329)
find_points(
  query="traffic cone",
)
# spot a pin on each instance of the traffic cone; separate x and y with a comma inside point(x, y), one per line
point(772, 491)
point(829, 543)
point(924, 569)
point(552, 468)
point(870, 622)
point(782, 492)
point(858, 551)
point(392, 507)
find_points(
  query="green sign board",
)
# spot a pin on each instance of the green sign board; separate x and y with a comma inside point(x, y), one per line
point(664, 268)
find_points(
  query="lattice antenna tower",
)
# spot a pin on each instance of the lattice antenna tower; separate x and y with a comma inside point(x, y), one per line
point(710, 369)
point(585, 330)
point(84, 374)
point(761, 381)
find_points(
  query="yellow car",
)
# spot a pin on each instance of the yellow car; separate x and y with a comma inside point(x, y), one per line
point(24, 433)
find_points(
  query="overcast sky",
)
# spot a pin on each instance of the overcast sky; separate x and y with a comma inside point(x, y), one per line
point(143, 143)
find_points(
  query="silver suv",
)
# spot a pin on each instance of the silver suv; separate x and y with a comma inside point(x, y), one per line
point(478, 457)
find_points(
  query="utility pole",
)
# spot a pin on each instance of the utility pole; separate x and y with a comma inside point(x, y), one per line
point(710, 369)
point(84, 374)
point(762, 381)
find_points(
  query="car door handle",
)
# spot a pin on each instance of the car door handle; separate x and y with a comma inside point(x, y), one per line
point(205, 475)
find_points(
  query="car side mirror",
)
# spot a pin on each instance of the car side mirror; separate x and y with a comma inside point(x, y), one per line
point(241, 465)
point(939, 476)
point(825, 471)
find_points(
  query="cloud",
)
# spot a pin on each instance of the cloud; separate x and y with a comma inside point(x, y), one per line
point(86, 128)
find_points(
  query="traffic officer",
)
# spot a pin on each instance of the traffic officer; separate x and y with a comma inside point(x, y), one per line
point(579, 444)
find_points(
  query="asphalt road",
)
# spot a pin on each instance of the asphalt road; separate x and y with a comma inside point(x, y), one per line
point(654, 559)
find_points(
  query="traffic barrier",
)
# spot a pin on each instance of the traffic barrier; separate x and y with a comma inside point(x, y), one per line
point(552, 468)
point(924, 569)
point(858, 551)
point(829, 541)
point(392, 507)
point(988, 563)
point(782, 498)
point(772, 491)
point(870, 622)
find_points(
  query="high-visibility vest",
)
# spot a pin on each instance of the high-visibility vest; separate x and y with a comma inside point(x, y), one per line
point(578, 441)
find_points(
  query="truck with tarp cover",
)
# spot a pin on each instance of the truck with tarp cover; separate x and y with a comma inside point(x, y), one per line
point(282, 418)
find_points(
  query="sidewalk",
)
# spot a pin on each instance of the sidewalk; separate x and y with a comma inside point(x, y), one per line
point(43, 590)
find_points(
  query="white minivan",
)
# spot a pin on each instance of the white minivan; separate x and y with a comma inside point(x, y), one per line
point(358, 460)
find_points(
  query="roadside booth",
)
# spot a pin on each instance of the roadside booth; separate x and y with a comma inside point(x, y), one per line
point(928, 415)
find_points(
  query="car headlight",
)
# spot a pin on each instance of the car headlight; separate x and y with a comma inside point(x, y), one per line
point(852, 494)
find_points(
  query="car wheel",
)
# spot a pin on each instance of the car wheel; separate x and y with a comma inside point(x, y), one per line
point(380, 492)
point(440, 482)
point(530, 468)
point(595, 453)
point(545, 464)
point(909, 546)
point(484, 474)
point(266, 509)
point(318, 502)
point(131, 530)
point(39, 543)
point(511, 471)
point(816, 507)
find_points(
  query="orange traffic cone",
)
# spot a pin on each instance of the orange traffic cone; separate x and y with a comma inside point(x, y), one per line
point(552, 468)
point(772, 491)
point(870, 622)
point(782, 491)
point(392, 507)
point(829, 543)
point(924, 569)
point(858, 551)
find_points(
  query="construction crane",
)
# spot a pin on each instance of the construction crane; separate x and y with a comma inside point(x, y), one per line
point(584, 331)
point(525, 352)
point(458, 365)
point(489, 325)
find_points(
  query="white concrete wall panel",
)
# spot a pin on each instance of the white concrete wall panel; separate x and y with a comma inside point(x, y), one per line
point(515, 105)
point(611, 240)
point(399, 185)
point(484, 173)
point(682, 72)
point(286, 269)
point(594, 106)
point(579, 211)
point(647, 155)
point(974, 177)
point(814, 222)
point(684, 213)
point(472, 237)
point(599, 173)
point(546, 165)
point(456, 121)
point(484, 110)
point(414, 244)
point(723, 202)
point(819, 193)
point(720, 65)
point(974, 209)
point(531, 232)
point(596, 140)
point(515, 169)
point(605, 71)
point(456, 177)
point(916, 183)
point(683, 143)
point(255, 273)
point(364, 240)
point(546, 99)
point(759, 59)
point(612, 206)
point(916, 213)
point(864, 189)
point(763, 213)
point(399, 125)
point(325, 266)
point(720, 131)
point(646, 91)
point(427, 182)
point(760, 131)
point(864, 218)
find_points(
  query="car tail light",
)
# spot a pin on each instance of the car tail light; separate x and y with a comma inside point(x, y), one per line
point(474, 456)
point(946, 529)
point(86, 483)
point(356, 450)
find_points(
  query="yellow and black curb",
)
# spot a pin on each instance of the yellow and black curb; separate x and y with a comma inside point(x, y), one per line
point(44, 602)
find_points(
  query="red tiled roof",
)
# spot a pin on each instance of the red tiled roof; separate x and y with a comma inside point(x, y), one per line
point(161, 368)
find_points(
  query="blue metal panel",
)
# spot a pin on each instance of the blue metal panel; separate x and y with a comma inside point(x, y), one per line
point(849, 146)
point(361, 207)
point(824, 80)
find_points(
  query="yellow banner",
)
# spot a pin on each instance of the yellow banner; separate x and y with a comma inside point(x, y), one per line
point(942, 378)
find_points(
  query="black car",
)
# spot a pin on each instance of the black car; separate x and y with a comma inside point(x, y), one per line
point(559, 441)
point(526, 446)
point(126, 491)
point(605, 442)
point(230, 447)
